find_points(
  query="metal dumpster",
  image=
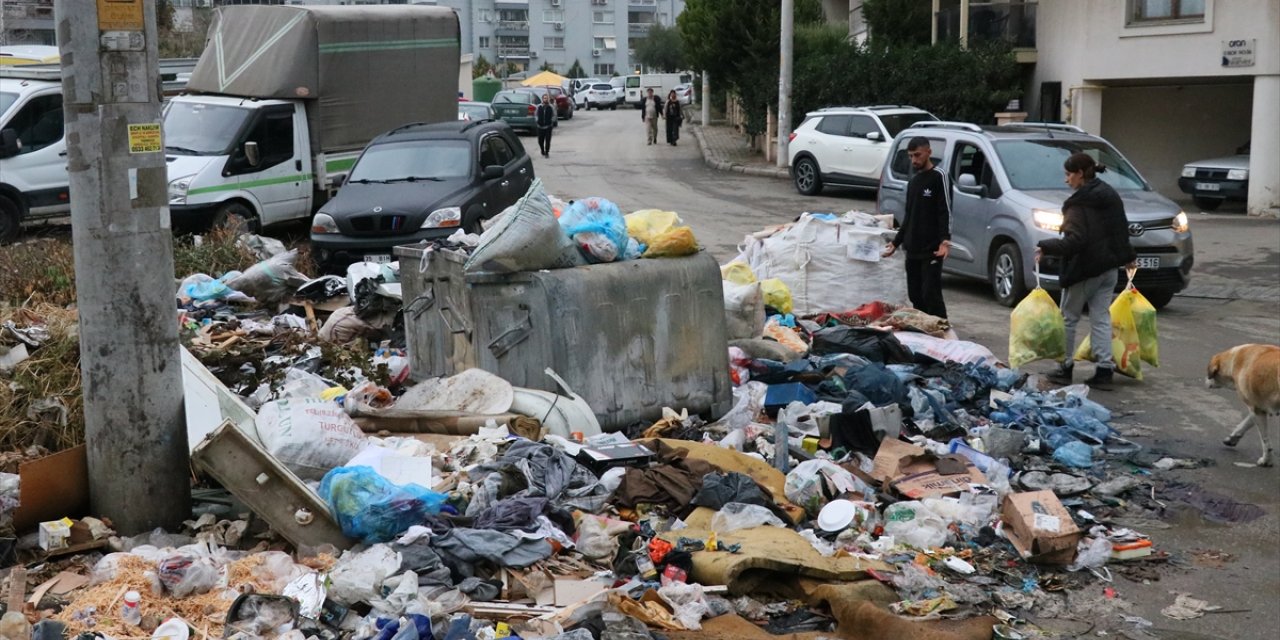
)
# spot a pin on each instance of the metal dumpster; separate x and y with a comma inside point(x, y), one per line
point(629, 337)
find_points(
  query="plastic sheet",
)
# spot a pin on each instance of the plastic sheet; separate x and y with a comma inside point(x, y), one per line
point(914, 524)
point(372, 509)
point(737, 515)
point(1074, 454)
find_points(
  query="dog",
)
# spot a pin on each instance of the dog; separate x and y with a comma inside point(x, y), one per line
point(1253, 370)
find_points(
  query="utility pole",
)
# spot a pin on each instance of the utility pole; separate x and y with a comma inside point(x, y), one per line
point(706, 99)
point(130, 368)
point(784, 82)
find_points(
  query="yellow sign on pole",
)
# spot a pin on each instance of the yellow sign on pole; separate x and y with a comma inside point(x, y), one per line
point(120, 15)
point(145, 138)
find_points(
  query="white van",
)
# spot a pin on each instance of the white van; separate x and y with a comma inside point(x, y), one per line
point(33, 150)
point(638, 85)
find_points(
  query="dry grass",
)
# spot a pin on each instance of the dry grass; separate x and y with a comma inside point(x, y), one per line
point(216, 254)
point(50, 375)
point(39, 270)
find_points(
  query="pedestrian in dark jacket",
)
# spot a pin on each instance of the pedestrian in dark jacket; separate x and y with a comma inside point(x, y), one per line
point(1093, 247)
point(674, 116)
point(925, 230)
point(545, 115)
point(650, 111)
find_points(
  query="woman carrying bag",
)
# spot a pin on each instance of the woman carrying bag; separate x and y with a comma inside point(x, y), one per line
point(674, 117)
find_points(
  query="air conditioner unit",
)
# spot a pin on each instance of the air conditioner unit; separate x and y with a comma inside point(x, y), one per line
point(559, 26)
point(555, 3)
point(533, 54)
point(595, 53)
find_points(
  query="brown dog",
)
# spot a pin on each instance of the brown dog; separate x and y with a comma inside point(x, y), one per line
point(1254, 371)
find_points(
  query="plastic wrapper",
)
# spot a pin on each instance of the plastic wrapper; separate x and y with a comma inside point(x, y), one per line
point(914, 524)
point(674, 243)
point(689, 603)
point(785, 336)
point(373, 509)
point(737, 515)
point(1092, 552)
point(1074, 454)
point(1126, 345)
point(184, 575)
point(597, 227)
point(1036, 331)
point(813, 483)
point(738, 273)
point(271, 281)
point(358, 576)
point(961, 351)
point(526, 238)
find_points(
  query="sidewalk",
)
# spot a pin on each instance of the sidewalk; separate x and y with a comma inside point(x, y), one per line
point(726, 150)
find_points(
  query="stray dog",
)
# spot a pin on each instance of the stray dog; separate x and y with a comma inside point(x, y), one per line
point(1253, 370)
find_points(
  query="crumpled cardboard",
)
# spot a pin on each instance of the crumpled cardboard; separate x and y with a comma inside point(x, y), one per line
point(1040, 528)
point(936, 483)
point(650, 609)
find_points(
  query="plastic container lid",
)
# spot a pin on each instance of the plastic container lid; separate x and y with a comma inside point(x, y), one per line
point(837, 515)
point(172, 629)
point(132, 598)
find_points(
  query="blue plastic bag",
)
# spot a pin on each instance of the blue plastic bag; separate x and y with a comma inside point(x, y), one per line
point(1074, 454)
point(371, 508)
point(596, 225)
point(1085, 426)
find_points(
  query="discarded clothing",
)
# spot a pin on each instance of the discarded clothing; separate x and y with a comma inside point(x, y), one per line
point(462, 549)
point(719, 489)
point(872, 344)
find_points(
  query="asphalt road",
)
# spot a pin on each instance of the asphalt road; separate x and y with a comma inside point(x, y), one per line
point(1234, 299)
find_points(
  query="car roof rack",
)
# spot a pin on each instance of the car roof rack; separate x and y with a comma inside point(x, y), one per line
point(475, 123)
point(1056, 126)
point(946, 124)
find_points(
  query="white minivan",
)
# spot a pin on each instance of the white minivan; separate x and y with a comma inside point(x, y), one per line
point(33, 150)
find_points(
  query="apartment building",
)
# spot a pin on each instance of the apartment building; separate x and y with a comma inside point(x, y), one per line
point(600, 34)
point(26, 22)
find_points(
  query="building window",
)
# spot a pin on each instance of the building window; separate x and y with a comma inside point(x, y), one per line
point(603, 70)
point(597, 43)
point(602, 17)
point(484, 42)
point(553, 15)
point(553, 42)
point(484, 15)
point(513, 15)
point(1141, 11)
point(513, 43)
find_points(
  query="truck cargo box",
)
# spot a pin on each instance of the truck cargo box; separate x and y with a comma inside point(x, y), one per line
point(364, 70)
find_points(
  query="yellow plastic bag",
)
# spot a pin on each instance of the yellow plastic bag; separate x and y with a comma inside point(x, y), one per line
point(1144, 315)
point(1126, 348)
point(676, 242)
point(777, 295)
point(1036, 330)
point(737, 273)
point(647, 225)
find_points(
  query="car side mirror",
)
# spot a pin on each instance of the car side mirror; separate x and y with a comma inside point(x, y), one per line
point(339, 180)
point(252, 154)
point(9, 146)
point(874, 136)
point(492, 172)
point(969, 184)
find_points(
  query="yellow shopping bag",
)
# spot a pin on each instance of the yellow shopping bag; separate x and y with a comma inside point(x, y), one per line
point(672, 243)
point(1144, 315)
point(737, 272)
point(647, 224)
point(1126, 349)
point(1036, 330)
point(777, 295)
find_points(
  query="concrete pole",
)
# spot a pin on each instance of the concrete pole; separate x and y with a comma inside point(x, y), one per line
point(129, 353)
point(933, 28)
point(964, 24)
point(784, 83)
point(1264, 161)
point(706, 99)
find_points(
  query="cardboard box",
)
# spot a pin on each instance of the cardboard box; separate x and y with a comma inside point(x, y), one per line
point(1040, 528)
point(896, 458)
point(935, 484)
point(53, 487)
point(55, 534)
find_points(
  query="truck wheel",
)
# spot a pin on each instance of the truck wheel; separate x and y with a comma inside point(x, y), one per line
point(1159, 298)
point(235, 217)
point(1207, 204)
point(806, 177)
point(1005, 273)
point(10, 220)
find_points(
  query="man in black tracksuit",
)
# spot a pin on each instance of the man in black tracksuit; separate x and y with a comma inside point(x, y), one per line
point(925, 230)
point(546, 119)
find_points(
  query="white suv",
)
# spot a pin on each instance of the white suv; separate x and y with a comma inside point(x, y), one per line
point(600, 95)
point(846, 146)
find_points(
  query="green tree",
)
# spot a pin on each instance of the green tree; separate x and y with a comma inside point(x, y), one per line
point(480, 66)
point(164, 16)
point(513, 68)
point(893, 23)
point(547, 66)
point(576, 71)
point(662, 51)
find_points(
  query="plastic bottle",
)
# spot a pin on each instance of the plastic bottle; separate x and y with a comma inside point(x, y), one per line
point(130, 611)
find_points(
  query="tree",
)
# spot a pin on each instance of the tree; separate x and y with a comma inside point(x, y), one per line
point(513, 68)
point(576, 71)
point(547, 66)
point(898, 22)
point(662, 51)
point(480, 66)
point(164, 17)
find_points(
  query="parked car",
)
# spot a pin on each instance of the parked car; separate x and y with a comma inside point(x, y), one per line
point(846, 146)
point(564, 106)
point(517, 108)
point(600, 96)
point(582, 83)
point(619, 84)
point(1211, 182)
point(476, 111)
point(1007, 194)
point(684, 93)
point(418, 182)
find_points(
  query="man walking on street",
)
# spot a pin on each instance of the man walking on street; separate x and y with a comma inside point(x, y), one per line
point(925, 230)
point(546, 119)
point(652, 109)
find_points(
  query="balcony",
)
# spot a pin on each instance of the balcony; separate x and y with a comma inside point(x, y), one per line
point(639, 28)
point(511, 28)
point(643, 6)
point(1012, 22)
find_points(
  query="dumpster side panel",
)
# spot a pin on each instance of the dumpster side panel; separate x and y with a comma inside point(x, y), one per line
point(438, 323)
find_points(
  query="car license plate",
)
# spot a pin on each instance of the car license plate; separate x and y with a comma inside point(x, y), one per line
point(377, 258)
point(1208, 186)
point(1149, 263)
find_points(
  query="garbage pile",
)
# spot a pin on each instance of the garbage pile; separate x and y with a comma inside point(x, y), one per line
point(874, 476)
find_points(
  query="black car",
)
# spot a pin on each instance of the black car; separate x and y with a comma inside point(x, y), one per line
point(418, 182)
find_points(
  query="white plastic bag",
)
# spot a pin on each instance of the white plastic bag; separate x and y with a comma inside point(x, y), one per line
point(309, 436)
point(1092, 552)
point(961, 351)
point(358, 577)
point(815, 482)
point(688, 602)
point(528, 238)
point(914, 524)
point(270, 281)
point(738, 515)
point(743, 310)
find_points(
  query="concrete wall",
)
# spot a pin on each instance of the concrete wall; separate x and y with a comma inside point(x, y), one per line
point(1162, 128)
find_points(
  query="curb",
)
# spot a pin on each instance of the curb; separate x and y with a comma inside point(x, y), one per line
point(710, 158)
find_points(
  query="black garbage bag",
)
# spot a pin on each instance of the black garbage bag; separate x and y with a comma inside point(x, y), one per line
point(719, 489)
point(872, 344)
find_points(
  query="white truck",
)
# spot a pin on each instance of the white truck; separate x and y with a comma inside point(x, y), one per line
point(284, 99)
point(662, 83)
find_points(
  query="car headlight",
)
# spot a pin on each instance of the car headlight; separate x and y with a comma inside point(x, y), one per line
point(446, 217)
point(1047, 220)
point(1188, 172)
point(1238, 174)
point(1180, 222)
point(323, 223)
point(178, 188)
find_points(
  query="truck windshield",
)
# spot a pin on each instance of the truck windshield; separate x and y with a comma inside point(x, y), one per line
point(6, 101)
point(202, 129)
point(1037, 164)
point(417, 160)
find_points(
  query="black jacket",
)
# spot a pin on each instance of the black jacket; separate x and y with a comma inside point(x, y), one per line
point(673, 111)
point(927, 219)
point(546, 116)
point(1095, 234)
point(657, 106)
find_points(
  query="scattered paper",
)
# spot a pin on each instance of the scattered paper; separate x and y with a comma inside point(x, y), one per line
point(1187, 608)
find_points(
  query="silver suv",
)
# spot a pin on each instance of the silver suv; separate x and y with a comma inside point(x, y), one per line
point(1007, 194)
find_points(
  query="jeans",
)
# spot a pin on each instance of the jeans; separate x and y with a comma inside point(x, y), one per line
point(924, 285)
point(544, 140)
point(1097, 293)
